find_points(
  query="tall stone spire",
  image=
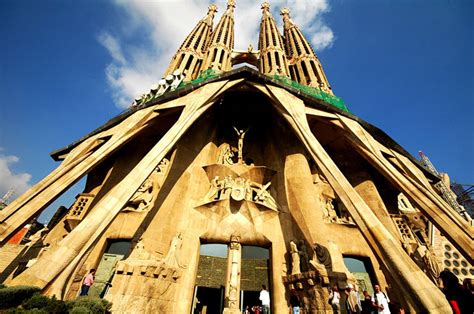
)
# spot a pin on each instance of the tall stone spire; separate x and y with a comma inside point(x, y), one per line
point(304, 65)
point(272, 54)
point(189, 57)
point(218, 55)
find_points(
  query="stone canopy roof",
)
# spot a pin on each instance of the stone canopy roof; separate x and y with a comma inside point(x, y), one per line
point(248, 74)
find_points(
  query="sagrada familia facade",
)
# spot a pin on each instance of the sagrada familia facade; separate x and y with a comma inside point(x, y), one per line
point(239, 168)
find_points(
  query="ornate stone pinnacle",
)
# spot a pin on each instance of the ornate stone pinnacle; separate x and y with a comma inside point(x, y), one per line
point(212, 9)
point(230, 3)
point(266, 6)
point(285, 12)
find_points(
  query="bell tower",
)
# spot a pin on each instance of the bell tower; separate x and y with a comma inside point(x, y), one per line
point(272, 52)
point(304, 65)
point(218, 55)
point(188, 59)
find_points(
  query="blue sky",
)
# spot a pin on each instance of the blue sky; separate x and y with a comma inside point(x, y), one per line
point(66, 67)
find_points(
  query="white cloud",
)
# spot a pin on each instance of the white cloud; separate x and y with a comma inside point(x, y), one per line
point(8, 179)
point(162, 25)
point(113, 47)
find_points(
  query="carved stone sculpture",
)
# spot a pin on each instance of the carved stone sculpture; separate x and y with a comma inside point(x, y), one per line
point(139, 251)
point(433, 268)
point(142, 198)
point(318, 267)
point(172, 258)
point(304, 256)
point(417, 246)
point(295, 258)
point(163, 165)
point(233, 275)
point(323, 255)
point(241, 135)
point(226, 154)
point(39, 235)
point(240, 188)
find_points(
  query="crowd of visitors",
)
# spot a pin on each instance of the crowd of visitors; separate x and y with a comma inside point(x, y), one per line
point(460, 297)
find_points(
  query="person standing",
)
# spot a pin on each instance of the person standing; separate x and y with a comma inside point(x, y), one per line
point(294, 302)
point(265, 298)
point(380, 301)
point(367, 304)
point(87, 282)
point(352, 301)
point(335, 299)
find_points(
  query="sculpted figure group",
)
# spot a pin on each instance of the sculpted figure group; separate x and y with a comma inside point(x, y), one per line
point(299, 256)
point(417, 247)
point(240, 189)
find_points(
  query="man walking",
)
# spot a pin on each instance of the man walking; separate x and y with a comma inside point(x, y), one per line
point(88, 282)
point(381, 301)
point(265, 298)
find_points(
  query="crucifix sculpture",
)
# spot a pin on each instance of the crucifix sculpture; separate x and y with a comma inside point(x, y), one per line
point(241, 135)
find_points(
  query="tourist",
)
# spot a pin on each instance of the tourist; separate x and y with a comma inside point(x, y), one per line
point(265, 298)
point(467, 298)
point(452, 290)
point(352, 301)
point(294, 302)
point(335, 299)
point(381, 301)
point(368, 306)
point(87, 282)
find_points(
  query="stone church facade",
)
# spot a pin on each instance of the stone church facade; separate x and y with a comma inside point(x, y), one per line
point(223, 178)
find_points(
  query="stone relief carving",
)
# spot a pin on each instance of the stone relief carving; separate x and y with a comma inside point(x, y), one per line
point(239, 189)
point(163, 166)
point(237, 181)
point(172, 259)
point(322, 254)
point(433, 268)
point(167, 271)
point(412, 227)
point(143, 198)
point(328, 199)
point(139, 252)
point(234, 276)
point(226, 154)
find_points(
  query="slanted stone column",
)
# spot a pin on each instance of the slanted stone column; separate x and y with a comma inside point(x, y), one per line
point(232, 286)
point(420, 291)
point(62, 259)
